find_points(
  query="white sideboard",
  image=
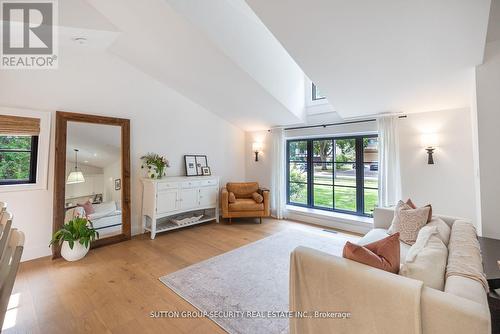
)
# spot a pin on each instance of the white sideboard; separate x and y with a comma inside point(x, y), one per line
point(171, 196)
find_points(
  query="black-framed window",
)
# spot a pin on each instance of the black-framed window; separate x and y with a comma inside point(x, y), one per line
point(18, 159)
point(333, 173)
point(316, 94)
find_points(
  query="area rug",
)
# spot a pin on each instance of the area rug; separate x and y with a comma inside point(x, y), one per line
point(252, 278)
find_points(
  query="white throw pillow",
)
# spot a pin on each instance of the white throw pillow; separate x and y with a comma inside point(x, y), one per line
point(426, 261)
point(443, 229)
point(423, 237)
point(408, 222)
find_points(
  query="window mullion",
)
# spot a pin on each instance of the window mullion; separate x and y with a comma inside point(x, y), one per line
point(310, 172)
point(360, 170)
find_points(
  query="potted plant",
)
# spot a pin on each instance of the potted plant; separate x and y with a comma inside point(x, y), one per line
point(75, 238)
point(155, 165)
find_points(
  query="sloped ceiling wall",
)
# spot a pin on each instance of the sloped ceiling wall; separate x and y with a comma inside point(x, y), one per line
point(377, 56)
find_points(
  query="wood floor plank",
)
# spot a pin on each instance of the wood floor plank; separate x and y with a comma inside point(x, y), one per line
point(115, 288)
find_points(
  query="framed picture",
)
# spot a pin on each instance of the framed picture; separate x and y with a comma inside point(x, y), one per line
point(194, 164)
point(206, 170)
point(118, 184)
point(201, 161)
point(190, 161)
point(97, 198)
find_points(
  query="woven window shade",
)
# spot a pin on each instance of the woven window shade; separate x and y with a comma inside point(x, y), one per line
point(15, 125)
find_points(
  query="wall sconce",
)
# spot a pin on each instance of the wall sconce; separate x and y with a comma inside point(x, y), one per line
point(430, 142)
point(256, 148)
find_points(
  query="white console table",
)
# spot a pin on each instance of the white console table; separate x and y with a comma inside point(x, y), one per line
point(171, 196)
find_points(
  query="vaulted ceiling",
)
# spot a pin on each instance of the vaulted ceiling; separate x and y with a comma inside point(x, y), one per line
point(383, 56)
point(249, 61)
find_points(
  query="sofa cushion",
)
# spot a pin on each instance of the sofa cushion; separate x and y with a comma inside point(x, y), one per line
point(466, 288)
point(380, 233)
point(443, 230)
point(246, 204)
point(382, 254)
point(426, 259)
point(408, 222)
point(243, 189)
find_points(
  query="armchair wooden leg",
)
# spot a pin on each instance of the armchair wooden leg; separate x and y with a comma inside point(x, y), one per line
point(260, 220)
point(230, 220)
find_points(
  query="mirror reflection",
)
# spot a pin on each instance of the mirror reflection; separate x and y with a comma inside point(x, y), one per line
point(94, 176)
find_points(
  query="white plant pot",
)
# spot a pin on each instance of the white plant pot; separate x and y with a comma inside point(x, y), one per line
point(78, 252)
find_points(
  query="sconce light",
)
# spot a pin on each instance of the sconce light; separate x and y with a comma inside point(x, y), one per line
point(430, 142)
point(256, 148)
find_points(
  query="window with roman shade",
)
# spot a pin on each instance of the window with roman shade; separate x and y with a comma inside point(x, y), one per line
point(18, 149)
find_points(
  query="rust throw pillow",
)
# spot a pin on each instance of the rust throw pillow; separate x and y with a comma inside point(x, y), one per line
point(382, 254)
point(413, 206)
point(257, 197)
point(232, 198)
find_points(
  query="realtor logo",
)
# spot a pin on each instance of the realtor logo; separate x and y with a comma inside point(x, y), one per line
point(28, 34)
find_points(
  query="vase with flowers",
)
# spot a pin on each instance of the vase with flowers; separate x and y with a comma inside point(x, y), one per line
point(155, 165)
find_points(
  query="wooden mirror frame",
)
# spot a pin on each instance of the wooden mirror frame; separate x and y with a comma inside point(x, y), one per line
point(62, 119)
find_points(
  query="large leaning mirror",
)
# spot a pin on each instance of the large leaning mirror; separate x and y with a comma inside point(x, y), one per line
point(92, 174)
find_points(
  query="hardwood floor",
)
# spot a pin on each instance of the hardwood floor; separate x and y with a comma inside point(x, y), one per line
point(114, 288)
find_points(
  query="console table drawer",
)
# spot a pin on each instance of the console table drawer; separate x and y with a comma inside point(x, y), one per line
point(205, 183)
point(165, 186)
point(190, 184)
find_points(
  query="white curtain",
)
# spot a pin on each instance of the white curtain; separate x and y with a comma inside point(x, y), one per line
point(389, 190)
point(278, 173)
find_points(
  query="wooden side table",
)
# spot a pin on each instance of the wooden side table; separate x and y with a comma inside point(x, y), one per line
point(490, 252)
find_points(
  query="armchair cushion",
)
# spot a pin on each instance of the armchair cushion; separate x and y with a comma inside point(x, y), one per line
point(257, 197)
point(232, 198)
point(243, 189)
point(246, 204)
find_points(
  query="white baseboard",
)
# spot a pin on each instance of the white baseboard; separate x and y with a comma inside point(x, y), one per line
point(31, 253)
point(334, 220)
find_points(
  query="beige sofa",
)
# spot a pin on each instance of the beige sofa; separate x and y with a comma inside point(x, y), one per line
point(378, 301)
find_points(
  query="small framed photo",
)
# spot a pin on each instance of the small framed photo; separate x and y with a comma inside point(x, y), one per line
point(97, 198)
point(118, 184)
point(206, 171)
point(191, 169)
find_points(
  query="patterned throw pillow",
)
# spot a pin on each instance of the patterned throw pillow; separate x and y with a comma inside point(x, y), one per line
point(408, 222)
point(413, 206)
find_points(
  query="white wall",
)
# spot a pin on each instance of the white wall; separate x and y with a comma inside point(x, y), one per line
point(259, 171)
point(488, 119)
point(111, 173)
point(32, 209)
point(448, 184)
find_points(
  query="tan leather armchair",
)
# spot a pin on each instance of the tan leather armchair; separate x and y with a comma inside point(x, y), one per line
point(244, 199)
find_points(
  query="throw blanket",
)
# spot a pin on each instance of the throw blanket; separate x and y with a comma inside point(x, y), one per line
point(376, 301)
point(464, 257)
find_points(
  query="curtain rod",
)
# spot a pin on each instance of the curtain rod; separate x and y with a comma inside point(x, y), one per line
point(333, 124)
